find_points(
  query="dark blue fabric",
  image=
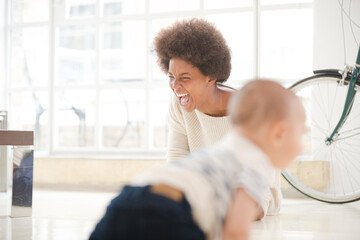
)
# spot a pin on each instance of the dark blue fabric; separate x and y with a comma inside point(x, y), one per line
point(138, 214)
point(23, 182)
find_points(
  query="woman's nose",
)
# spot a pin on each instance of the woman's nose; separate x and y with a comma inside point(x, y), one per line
point(174, 83)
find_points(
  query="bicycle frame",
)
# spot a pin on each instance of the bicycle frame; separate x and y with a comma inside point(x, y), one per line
point(348, 102)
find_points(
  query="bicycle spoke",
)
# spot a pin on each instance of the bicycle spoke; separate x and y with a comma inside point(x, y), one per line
point(345, 167)
point(337, 162)
point(353, 152)
point(353, 118)
point(349, 149)
point(350, 130)
point(333, 173)
point(323, 130)
point(350, 136)
point(352, 176)
point(349, 133)
point(323, 106)
point(333, 104)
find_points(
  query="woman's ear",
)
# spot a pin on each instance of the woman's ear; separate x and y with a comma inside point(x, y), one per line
point(211, 81)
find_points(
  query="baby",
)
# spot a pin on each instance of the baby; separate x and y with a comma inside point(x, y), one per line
point(218, 191)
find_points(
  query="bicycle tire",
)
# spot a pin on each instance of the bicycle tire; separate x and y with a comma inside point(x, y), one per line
point(328, 173)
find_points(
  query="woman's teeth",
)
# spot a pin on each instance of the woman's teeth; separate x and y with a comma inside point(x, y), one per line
point(181, 95)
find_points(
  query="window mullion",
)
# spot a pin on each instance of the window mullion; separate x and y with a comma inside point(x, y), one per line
point(7, 52)
point(97, 79)
point(256, 12)
point(51, 90)
point(149, 132)
point(202, 8)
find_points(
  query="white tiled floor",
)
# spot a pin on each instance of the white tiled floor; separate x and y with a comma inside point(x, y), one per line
point(64, 215)
point(306, 219)
point(72, 215)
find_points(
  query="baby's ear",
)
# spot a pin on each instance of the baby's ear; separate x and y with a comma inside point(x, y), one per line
point(277, 133)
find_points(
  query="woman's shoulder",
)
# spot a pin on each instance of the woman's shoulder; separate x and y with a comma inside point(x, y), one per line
point(226, 87)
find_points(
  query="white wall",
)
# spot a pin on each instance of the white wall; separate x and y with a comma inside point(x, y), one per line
point(328, 37)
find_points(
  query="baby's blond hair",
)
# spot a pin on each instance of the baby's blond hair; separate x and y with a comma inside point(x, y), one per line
point(259, 102)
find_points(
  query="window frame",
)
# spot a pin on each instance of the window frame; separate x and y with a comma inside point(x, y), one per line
point(147, 84)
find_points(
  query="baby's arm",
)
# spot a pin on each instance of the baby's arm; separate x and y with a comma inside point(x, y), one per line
point(242, 212)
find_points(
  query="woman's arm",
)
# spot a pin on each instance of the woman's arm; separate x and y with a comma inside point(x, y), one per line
point(242, 212)
point(275, 200)
point(178, 146)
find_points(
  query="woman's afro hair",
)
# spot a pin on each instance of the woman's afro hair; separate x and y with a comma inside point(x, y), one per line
point(198, 42)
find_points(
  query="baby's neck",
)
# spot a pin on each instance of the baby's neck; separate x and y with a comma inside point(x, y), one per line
point(257, 136)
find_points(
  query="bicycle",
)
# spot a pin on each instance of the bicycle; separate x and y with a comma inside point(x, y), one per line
point(329, 168)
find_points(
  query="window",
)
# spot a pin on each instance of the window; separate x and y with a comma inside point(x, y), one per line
point(81, 73)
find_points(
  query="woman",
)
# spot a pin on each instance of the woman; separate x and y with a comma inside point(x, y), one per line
point(197, 60)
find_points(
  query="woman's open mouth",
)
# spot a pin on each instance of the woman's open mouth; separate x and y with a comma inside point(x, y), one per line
point(183, 98)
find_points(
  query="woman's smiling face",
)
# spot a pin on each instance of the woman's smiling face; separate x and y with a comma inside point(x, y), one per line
point(189, 84)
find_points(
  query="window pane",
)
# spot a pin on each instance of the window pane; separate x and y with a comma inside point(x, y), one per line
point(159, 107)
point(286, 46)
point(75, 118)
point(29, 11)
point(213, 4)
point(29, 111)
point(75, 55)
point(123, 118)
point(29, 57)
point(117, 7)
point(240, 41)
point(80, 8)
point(124, 51)
point(272, 2)
point(173, 5)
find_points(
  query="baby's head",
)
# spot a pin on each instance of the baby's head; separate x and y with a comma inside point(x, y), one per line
point(272, 117)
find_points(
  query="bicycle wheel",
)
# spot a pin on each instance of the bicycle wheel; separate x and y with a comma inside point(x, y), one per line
point(329, 173)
